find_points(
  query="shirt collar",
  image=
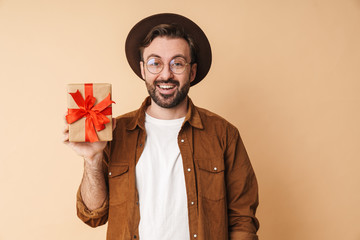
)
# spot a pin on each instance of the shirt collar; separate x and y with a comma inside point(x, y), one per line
point(192, 116)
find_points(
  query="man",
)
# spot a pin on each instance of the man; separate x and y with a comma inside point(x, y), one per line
point(173, 171)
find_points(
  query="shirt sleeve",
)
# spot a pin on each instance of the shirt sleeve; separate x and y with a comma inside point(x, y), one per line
point(95, 217)
point(242, 191)
point(243, 236)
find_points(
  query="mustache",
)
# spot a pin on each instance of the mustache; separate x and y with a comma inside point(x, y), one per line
point(171, 81)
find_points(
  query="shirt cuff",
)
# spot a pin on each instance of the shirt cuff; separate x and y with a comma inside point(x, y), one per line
point(95, 217)
point(243, 236)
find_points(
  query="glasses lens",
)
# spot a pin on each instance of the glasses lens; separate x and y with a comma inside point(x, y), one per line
point(178, 65)
point(154, 65)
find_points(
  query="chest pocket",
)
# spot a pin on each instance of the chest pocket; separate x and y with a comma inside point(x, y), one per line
point(118, 184)
point(210, 177)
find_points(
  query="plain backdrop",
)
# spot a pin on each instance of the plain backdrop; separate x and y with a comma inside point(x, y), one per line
point(286, 73)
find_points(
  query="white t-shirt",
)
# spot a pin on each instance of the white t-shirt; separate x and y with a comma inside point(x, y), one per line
point(160, 182)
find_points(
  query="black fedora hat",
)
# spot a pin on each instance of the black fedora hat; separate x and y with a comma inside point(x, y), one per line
point(142, 28)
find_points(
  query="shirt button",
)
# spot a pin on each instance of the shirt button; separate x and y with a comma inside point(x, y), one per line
point(109, 173)
point(215, 168)
point(195, 235)
point(192, 203)
point(182, 140)
point(189, 169)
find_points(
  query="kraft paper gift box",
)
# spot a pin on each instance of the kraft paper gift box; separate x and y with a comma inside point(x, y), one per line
point(89, 112)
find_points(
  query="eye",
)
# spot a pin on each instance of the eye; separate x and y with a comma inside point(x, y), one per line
point(154, 65)
point(154, 62)
point(178, 62)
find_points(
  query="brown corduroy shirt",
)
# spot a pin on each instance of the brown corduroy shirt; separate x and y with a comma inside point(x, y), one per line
point(221, 186)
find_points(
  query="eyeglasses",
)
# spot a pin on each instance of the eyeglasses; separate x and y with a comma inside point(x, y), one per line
point(177, 65)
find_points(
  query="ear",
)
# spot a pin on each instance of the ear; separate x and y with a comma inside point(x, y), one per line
point(142, 69)
point(193, 72)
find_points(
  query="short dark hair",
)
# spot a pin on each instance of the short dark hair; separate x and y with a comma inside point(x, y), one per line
point(171, 31)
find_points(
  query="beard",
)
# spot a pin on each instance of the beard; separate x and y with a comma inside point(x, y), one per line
point(168, 100)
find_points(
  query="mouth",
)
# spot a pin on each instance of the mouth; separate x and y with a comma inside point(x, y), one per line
point(167, 87)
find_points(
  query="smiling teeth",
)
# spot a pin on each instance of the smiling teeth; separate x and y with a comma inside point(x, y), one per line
point(166, 87)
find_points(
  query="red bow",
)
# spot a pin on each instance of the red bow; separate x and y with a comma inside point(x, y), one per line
point(95, 115)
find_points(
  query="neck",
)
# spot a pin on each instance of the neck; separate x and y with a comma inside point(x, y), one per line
point(176, 112)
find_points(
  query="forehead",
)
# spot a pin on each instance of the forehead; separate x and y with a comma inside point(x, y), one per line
point(167, 48)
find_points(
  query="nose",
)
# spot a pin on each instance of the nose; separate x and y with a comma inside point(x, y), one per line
point(166, 73)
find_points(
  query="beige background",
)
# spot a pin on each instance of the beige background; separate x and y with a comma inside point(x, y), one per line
point(286, 73)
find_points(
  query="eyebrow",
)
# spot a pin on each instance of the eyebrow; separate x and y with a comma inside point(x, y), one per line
point(175, 56)
point(153, 55)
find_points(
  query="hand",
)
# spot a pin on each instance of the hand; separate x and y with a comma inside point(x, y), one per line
point(86, 149)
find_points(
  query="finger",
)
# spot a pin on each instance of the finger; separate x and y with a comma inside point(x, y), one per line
point(66, 128)
point(66, 113)
point(66, 138)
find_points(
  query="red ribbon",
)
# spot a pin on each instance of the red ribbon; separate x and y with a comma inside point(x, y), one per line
point(95, 115)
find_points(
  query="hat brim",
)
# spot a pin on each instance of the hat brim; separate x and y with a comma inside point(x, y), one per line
point(142, 28)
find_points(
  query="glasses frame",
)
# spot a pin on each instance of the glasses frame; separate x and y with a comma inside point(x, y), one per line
point(170, 67)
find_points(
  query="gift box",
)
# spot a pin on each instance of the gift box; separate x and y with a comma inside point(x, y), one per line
point(89, 112)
